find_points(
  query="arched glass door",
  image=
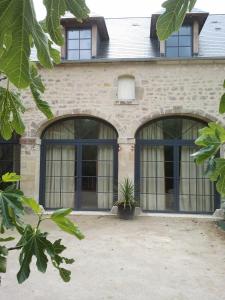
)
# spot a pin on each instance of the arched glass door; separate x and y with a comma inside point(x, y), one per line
point(79, 164)
point(167, 178)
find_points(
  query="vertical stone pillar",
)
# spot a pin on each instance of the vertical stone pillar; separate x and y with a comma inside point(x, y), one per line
point(195, 38)
point(63, 47)
point(94, 40)
point(162, 46)
point(30, 166)
point(126, 159)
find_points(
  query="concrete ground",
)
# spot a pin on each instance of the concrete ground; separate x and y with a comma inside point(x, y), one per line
point(149, 258)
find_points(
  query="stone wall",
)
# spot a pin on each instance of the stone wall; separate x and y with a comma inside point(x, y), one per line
point(187, 87)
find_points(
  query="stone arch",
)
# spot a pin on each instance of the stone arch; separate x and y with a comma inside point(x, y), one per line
point(63, 114)
point(176, 111)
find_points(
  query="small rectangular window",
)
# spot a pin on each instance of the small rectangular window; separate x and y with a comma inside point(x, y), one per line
point(79, 44)
point(179, 44)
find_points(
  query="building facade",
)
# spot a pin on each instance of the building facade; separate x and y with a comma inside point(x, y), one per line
point(126, 105)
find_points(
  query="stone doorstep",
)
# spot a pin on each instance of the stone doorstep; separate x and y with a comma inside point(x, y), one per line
point(218, 214)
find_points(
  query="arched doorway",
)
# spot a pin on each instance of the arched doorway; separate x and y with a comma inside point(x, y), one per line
point(167, 178)
point(79, 164)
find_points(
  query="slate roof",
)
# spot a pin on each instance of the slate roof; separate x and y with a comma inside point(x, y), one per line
point(130, 38)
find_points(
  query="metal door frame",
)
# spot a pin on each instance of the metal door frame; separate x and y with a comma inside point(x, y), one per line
point(78, 143)
point(175, 143)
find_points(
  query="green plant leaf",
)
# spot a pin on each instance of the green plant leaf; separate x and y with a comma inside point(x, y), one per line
point(65, 224)
point(222, 102)
point(57, 8)
point(11, 207)
point(8, 239)
point(54, 250)
point(18, 19)
point(217, 173)
point(210, 140)
point(32, 203)
point(65, 274)
point(10, 109)
point(11, 177)
point(222, 105)
point(37, 87)
point(173, 17)
point(55, 54)
point(3, 258)
point(33, 244)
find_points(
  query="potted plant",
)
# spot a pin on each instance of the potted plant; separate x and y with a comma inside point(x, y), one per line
point(126, 206)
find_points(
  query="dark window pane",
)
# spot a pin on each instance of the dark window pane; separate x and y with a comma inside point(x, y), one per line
point(185, 30)
point(80, 128)
point(185, 52)
point(172, 51)
point(85, 34)
point(85, 54)
point(73, 54)
point(73, 44)
point(85, 44)
point(171, 128)
point(73, 34)
point(185, 41)
point(172, 41)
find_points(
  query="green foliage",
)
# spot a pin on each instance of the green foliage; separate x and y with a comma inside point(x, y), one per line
point(57, 8)
point(31, 203)
point(10, 109)
point(10, 177)
point(222, 102)
point(20, 31)
point(173, 17)
point(210, 140)
point(64, 223)
point(3, 258)
point(8, 239)
point(37, 88)
point(127, 194)
point(216, 172)
point(17, 19)
point(11, 207)
point(33, 242)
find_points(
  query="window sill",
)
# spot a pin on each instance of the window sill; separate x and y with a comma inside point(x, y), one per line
point(126, 102)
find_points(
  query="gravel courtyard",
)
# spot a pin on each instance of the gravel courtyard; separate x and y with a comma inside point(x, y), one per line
point(149, 258)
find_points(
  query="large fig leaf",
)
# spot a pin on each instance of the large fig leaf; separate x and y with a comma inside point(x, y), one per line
point(18, 19)
point(173, 17)
point(10, 109)
point(57, 8)
point(64, 223)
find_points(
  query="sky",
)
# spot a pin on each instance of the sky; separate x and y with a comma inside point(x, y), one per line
point(129, 8)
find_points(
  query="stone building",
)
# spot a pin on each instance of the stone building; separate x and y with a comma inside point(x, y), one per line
point(125, 105)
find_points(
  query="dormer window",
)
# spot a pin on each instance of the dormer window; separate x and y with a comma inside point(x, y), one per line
point(79, 43)
point(83, 40)
point(179, 44)
point(185, 42)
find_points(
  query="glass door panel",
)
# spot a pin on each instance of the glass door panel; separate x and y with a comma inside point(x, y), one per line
point(157, 178)
point(97, 177)
point(60, 180)
point(170, 180)
point(196, 192)
point(88, 177)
